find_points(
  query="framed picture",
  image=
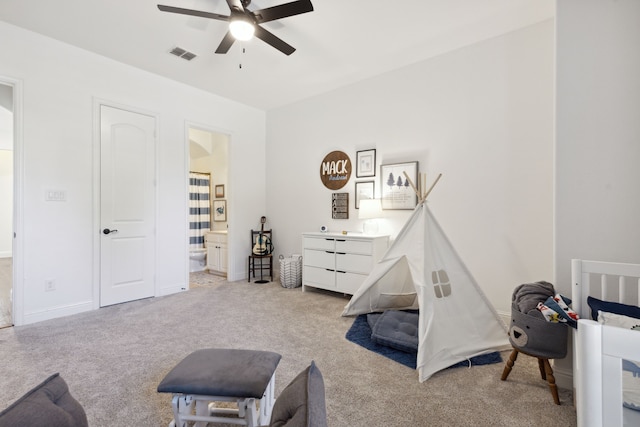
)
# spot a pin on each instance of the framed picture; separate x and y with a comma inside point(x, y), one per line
point(220, 191)
point(219, 210)
point(364, 190)
point(365, 163)
point(396, 190)
point(340, 206)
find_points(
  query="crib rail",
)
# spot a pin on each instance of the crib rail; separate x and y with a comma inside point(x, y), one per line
point(599, 350)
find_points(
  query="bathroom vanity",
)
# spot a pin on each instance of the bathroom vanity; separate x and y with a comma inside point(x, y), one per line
point(216, 242)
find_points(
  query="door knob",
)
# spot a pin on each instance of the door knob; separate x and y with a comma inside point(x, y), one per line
point(107, 231)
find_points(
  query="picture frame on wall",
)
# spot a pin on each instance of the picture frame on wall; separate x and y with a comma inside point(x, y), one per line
point(396, 192)
point(219, 191)
point(340, 206)
point(219, 210)
point(366, 163)
point(364, 190)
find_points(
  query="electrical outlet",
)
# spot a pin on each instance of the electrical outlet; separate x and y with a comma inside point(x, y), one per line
point(49, 285)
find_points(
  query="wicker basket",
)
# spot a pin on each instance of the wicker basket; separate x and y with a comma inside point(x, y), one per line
point(291, 271)
point(536, 336)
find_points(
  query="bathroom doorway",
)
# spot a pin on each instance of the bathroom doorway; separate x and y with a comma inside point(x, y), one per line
point(209, 160)
point(7, 204)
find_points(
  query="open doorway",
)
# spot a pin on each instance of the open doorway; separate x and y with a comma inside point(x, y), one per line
point(208, 196)
point(6, 204)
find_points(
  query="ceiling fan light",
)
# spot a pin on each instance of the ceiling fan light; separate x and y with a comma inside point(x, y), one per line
point(241, 29)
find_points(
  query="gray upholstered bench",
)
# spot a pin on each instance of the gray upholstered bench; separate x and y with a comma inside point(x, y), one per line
point(222, 375)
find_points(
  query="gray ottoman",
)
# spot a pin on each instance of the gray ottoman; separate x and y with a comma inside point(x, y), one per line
point(222, 375)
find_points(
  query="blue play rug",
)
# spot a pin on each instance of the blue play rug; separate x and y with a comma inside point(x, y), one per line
point(360, 333)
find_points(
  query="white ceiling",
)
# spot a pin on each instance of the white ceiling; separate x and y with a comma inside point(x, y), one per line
point(339, 43)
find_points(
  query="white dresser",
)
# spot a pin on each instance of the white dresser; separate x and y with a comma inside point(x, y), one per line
point(338, 262)
point(216, 242)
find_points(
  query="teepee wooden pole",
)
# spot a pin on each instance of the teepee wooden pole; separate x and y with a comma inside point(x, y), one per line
point(433, 185)
point(411, 184)
point(423, 186)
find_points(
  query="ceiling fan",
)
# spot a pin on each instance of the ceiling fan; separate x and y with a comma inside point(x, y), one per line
point(243, 23)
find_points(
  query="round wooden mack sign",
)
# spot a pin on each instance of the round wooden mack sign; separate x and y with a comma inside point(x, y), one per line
point(335, 170)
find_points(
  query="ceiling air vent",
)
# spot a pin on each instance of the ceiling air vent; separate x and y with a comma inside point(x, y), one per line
point(178, 51)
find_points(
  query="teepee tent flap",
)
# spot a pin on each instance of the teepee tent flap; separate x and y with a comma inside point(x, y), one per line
point(422, 270)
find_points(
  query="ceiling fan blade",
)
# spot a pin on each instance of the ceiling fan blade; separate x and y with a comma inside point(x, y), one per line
point(191, 12)
point(226, 43)
point(282, 11)
point(274, 41)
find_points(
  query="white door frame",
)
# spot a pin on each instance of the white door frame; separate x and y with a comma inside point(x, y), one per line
point(17, 309)
point(187, 160)
point(97, 103)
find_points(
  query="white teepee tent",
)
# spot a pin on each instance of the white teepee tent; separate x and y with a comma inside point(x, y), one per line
point(422, 270)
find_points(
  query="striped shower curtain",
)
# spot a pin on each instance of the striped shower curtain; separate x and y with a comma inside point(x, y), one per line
point(199, 208)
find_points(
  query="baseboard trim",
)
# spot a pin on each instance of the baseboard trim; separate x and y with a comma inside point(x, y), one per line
point(563, 378)
point(171, 290)
point(55, 312)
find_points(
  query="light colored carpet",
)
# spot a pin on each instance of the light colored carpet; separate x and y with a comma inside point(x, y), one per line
point(114, 358)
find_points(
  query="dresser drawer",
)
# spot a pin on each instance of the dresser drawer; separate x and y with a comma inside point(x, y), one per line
point(319, 277)
point(319, 243)
point(354, 246)
point(349, 282)
point(354, 263)
point(322, 259)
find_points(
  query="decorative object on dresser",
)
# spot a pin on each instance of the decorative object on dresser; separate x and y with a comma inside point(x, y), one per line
point(370, 211)
point(338, 262)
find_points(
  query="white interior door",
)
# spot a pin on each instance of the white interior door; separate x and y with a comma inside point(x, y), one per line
point(127, 205)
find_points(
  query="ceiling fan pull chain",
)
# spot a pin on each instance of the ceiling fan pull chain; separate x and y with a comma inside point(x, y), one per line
point(243, 51)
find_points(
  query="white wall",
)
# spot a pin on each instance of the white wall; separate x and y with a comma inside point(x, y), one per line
point(481, 115)
point(60, 84)
point(597, 213)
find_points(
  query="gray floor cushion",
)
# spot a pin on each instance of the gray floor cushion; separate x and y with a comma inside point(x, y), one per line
point(397, 329)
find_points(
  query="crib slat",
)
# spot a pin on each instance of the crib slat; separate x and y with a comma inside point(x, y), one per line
point(621, 289)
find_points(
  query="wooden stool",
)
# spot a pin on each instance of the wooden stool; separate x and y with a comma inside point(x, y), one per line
point(545, 372)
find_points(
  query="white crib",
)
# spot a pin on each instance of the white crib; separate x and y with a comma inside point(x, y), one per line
point(598, 349)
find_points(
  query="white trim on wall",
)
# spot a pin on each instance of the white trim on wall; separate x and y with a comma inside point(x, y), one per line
point(18, 200)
